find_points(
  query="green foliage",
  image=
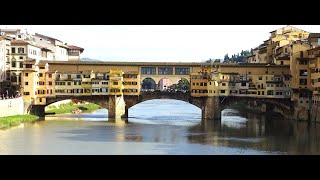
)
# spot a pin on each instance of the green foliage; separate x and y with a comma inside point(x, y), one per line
point(213, 60)
point(240, 57)
point(69, 107)
point(65, 105)
point(51, 107)
point(183, 84)
point(226, 57)
point(6, 122)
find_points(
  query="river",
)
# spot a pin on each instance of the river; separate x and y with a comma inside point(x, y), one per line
point(166, 127)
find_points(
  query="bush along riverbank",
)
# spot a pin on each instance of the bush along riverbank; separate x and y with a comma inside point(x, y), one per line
point(70, 107)
point(6, 122)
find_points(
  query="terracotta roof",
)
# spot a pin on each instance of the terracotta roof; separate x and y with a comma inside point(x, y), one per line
point(46, 37)
point(19, 42)
point(76, 48)
point(10, 30)
point(144, 64)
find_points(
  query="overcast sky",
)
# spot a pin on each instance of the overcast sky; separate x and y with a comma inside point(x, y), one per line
point(157, 42)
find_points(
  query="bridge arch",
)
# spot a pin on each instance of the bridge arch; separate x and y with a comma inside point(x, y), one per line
point(99, 100)
point(164, 83)
point(148, 84)
point(146, 96)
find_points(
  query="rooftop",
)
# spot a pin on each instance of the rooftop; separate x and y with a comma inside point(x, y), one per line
point(76, 48)
point(115, 63)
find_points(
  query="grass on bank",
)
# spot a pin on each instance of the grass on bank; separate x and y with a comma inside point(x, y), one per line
point(68, 108)
point(6, 122)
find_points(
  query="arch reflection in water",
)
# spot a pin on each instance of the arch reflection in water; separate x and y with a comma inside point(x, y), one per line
point(259, 134)
point(164, 111)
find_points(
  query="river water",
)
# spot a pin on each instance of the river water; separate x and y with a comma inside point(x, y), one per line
point(162, 127)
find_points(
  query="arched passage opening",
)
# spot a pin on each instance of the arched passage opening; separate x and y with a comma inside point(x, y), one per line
point(183, 85)
point(164, 84)
point(148, 84)
point(165, 111)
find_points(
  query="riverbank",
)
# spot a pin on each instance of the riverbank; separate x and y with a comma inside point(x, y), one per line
point(6, 122)
point(70, 108)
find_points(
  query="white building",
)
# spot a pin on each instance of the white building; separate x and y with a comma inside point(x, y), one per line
point(4, 61)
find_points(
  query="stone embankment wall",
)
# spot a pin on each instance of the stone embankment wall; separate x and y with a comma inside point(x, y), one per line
point(11, 107)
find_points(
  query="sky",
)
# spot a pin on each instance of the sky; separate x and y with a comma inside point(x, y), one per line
point(159, 43)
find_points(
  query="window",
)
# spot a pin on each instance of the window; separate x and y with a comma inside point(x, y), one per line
point(243, 84)
point(40, 75)
point(281, 62)
point(13, 64)
point(20, 57)
point(28, 65)
point(222, 91)
point(303, 82)
point(69, 83)
point(69, 76)
point(50, 83)
point(260, 77)
point(115, 83)
point(269, 92)
point(303, 72)
point(26, 74)
point(21, 50)
point(21, 65)
point(40, 99)
point(41, 83)
point(303, 62)
point(13, 50)
point(148, 70)
point(185, 71)
point(26, 93)
point(26, 83)
point(162, 70)
point(50, 75)
point(223, 84)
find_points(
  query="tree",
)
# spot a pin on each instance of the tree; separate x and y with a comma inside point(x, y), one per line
point(183, 84)
point(226, 57)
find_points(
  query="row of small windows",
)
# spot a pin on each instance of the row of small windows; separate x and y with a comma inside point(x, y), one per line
point(199, 84)
point(130, 83)
point(20, 50)
point(97, 90)
point(34, 52)
point(133, 76)
point(165, 70)
point(199, 77)
point(277, 85)
point(278, 93)
point(63, 83)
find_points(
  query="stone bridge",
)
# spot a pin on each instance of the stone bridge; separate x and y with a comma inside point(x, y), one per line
point(211, 107)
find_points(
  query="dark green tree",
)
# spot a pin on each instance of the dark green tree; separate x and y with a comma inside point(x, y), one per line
point(183, 84)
